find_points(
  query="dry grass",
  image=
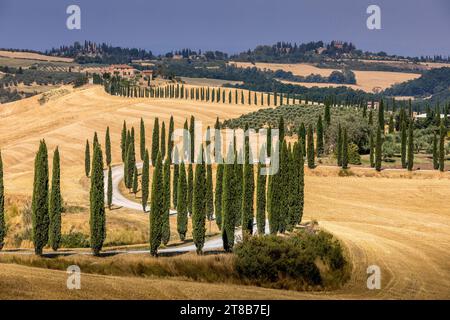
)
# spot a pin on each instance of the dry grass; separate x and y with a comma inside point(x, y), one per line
point(365, 80)
point(32, 56)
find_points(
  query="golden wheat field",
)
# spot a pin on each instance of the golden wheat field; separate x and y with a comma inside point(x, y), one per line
point(32, 56)
point(399, 221)
point(365, 80)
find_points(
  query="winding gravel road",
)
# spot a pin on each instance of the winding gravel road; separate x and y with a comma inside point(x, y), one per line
point(119, 200)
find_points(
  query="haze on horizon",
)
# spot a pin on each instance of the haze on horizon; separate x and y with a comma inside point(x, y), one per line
point(409, 27)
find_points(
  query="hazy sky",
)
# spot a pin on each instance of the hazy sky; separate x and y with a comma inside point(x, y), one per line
point(409, 27)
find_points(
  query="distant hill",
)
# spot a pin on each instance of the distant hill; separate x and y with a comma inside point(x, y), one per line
point(433, 85)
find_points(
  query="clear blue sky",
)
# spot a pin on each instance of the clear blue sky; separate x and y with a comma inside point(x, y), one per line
point(409, 27)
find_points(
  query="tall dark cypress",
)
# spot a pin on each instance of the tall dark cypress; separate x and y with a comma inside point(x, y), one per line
point(310, 150)
point(55, 204)
point(108, 147)
point(165, 232)
point(281, 129)
point(381, 115)
point(218, 195)
point(303, 138)
point(327, 114)
point(142, 139)
point(87, 160)
point(163, 140)
point(123, 141)
point(228, 207)
point(135, 180)
point(182, 214)
point(345, 150)
point(209, 193)
point(199, 204)
point(442, 134)
point(319, 137)
point(372, 150)
point(248, 191)
point(283, 186)
point(169, 138)
point(130, 163)
point(192, 138)
point(145, 180)
point(2, 206)
point(40, 217)
point(275, 191)
point(299, 160)
point(190, 187)
point(410, 145)
point(176, 172)
point(378, 149)
point(403, 134)
point(238, 181)
point(155, 141)
point(109, 192)
point(157, 206)
point(261, 195)
point(269, 141)
point(97, 219)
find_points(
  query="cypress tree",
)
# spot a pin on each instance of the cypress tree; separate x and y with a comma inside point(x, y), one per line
point(435, 152)
point(40, 217)
point(157, 206)
point(163, 140)
point(169, 139)
point(269, 141)
point(403, 142)
point(165, 235)
point(97, 219)
point(299, 160)
point(55, 204)
point(108, 147)
point(248, 190)
point(410, 145)
point(209, 193)
point(372, 150)
point(303, 138)
point(2, 206)
point(218, 195)
point(192, 135)
point(95, 141)
point(370, 121)
point(182, 218)
point(275, 192)
point(199, 204)
point(228, 214)
point(135, 180)
point(145, 180)
point(345, 150)
point(155, 141)
point(339, 146)
point(190, 187)
point(130, 165)
point(319, 137)
point(283, 186)
point(310, 151)
point(327, 114)
point(378, 148)
point(110, 189)
point(238, 182)
point(261, 195)
point(281, 129)
point(176, 172)
point(87, 160)
point(442, 134)
point(381, 115)
point(142, 140)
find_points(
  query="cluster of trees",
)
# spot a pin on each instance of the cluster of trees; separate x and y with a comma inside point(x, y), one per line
point(47, 203)
point(90, 52)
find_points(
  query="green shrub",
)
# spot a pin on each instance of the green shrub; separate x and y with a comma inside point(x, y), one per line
point(302, 259)
point(74, 240)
